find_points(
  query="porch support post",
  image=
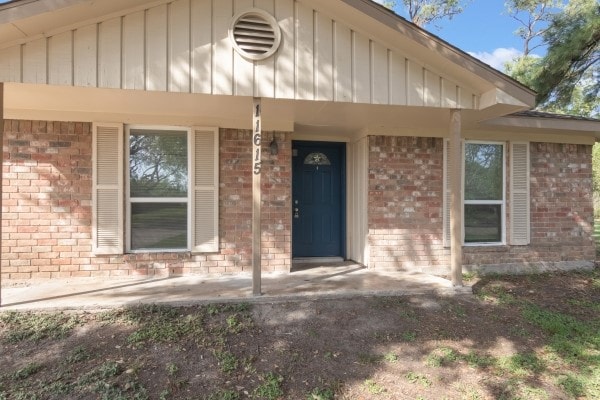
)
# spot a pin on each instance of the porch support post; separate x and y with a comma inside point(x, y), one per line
point(256, 196)
point(1, 176)
point(455, 198)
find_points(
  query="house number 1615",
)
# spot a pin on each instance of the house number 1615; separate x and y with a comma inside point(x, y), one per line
point(257, 141)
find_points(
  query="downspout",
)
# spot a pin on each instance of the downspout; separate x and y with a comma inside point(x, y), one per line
point(455, 198)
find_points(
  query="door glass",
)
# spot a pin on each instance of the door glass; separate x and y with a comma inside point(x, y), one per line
point(316, 159)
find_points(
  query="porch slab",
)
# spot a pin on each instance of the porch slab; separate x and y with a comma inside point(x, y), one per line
point(337, 280)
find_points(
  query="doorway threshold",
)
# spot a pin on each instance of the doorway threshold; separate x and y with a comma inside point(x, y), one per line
point(317, 260)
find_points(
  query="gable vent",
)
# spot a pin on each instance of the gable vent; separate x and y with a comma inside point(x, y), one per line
point(255, 35)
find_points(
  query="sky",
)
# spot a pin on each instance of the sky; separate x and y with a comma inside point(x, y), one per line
point(484, 30)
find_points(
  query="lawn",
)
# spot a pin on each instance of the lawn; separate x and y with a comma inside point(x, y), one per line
point(528, 337)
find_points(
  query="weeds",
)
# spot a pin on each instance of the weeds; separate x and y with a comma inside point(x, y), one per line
point(37, 326)
point(374, 387)
point(418, 378)
point(270, 389)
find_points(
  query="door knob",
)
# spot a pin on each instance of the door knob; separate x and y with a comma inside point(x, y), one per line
point(296, 213)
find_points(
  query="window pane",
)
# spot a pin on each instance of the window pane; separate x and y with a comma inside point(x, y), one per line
point(483, 223)
point(483, 171)
point(158, 226)
point(158, 163)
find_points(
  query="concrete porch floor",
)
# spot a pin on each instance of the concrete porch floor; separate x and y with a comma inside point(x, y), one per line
point(308, 281)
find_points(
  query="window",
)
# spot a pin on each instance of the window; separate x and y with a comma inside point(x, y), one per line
point(166, 200)
point(484, 192)
point(158, 189)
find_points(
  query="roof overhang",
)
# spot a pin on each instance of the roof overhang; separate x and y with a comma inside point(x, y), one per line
point(557, 125)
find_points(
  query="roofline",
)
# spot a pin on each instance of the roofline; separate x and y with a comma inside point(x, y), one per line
point(425, 38)
point(19, 9)
point(547, 122)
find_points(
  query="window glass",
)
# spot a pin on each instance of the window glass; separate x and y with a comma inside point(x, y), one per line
point(483, 171)
point(158, 163)
point(158, 189)
point(483, 223)
point(159, 225)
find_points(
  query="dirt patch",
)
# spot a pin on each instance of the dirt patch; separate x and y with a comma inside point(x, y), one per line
point(528, 337)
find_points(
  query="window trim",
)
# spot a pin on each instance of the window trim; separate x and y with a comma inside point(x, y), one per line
point(188, 199)
point(502, 202)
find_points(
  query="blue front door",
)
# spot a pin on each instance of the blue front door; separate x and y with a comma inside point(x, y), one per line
point(318, 201)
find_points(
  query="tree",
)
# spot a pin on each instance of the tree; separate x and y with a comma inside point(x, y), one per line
point(566, 79)
point(424, 12)
point(573, 39)
point(533, 16)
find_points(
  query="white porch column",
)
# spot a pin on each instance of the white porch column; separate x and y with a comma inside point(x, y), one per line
point(1, 175)
point(256, 196)
point(455, 198)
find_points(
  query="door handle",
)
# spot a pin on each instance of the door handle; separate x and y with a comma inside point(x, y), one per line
point(296, 212)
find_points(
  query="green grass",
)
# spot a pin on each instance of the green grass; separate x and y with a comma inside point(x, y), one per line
point(270, 388)
point(37, 326)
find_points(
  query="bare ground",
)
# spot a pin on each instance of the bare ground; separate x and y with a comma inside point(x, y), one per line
point(527, 337)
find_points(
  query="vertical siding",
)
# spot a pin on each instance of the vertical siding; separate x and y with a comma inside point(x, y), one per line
point(60, 59)
point(179, 46)
point(285, 58)
point(324, 58)
point(243, 70)
point(304, 52)
point(264, 70)
point(109, 53)
point(85, 56)
point(343, 69)
point(10, 64)
point(201, 46)
point(156, 48)
point(133, 51)
point(183, 46)
point(380, 74)
point(34, 61)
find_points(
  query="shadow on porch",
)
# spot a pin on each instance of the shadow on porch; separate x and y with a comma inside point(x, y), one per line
point(310, 281)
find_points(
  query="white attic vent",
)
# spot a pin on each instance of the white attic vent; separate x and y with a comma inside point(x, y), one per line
point(255, 34)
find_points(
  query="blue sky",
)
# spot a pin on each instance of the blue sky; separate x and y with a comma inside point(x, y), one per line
point(484, 30)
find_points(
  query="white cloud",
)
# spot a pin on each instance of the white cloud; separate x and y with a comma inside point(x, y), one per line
point(498, 57)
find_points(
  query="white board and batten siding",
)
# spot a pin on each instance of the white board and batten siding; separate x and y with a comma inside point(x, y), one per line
point(183, 46)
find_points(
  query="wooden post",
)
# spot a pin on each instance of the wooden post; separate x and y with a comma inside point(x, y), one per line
point(1, 175)
point(455, 198)
point(256, 195)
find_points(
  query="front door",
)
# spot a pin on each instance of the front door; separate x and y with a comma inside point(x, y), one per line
point(318, 200)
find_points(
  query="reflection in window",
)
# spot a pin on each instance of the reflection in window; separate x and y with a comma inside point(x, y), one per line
point(158, 163)
point(158, 189)
point(484, 192)
point(316, 159)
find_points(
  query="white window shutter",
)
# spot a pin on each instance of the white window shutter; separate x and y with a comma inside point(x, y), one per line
point(519, 194)
point(107, 195)
point(446, 194)
point(205, 196)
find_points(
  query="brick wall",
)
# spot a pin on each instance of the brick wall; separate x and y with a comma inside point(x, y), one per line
point(47, 207)
point(405, 203)
point(405, 209)
point(561, 212)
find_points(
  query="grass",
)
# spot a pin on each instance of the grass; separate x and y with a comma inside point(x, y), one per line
point(143, 352)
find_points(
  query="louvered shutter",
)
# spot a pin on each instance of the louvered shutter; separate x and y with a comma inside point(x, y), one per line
point(205, 197)
point(446, 194)
point(519, 193)
point(107, 195)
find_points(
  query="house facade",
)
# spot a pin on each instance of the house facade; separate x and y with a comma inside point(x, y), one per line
point(189, 136)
